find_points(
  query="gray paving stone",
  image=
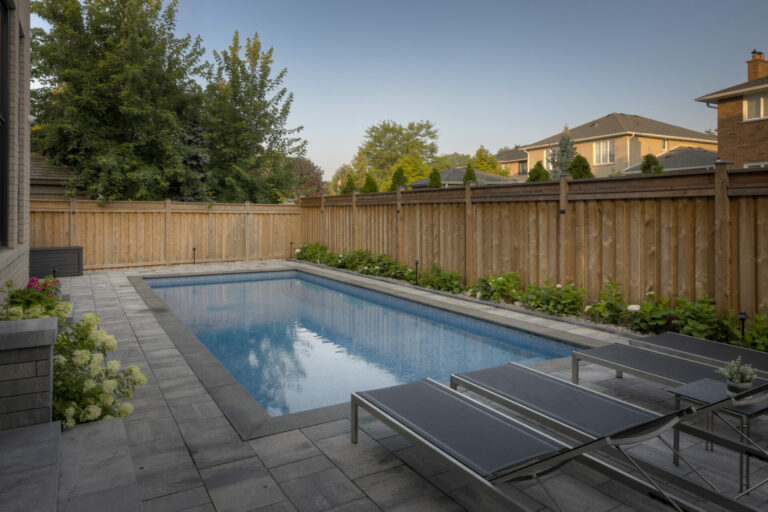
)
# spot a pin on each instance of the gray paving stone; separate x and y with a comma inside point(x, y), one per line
point(198, 407)
point(161, 470)
point(361, 505)
point(325, 430)
point(29, 447)
point(160, 429)
point(213, 441)
point(115, 499)
point(241, 486)
point(178, 502)
point(283, 448)
point(282, 506)
point(31, 490)
point(357, 460)
point(321, 491)
point(401, 489)
point(301, 468)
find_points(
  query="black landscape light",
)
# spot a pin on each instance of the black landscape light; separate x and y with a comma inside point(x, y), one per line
point(417, 272)
point(291, 254)
point(194, 255)
point(53, 272)
point(742, 319)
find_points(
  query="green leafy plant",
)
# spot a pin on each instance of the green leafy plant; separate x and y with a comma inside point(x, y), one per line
point(469, 175)
point(610, 309)
point(86, 387)
point(370, 185)
point(538, 173)
point(652, 316)
point(349, 185)
point(502, 288)
point(756, 334)
point(579, 168)
point(398, 179)
point(651, 165)
point(555, 300)
point(737, 372)
point(726, 328)
point(443, 280)
point(434, 179)
point(38, 300)
point(697, 318)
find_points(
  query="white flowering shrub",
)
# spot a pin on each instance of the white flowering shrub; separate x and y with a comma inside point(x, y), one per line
point(87, 387)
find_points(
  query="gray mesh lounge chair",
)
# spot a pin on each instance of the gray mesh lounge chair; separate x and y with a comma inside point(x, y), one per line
point(705, 351)
point(492, 447)
point(586, 415)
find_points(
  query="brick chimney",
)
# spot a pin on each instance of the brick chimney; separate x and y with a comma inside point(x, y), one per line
point(757, 67)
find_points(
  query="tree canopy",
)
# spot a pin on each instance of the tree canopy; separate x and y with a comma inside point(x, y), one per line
point(387, 142)
point(449, 161)
point(651, 165)
point(398, 179)
point(349, 186)
point(434, 179)
point(469, 175)
point(485, 161)
point(370, 185)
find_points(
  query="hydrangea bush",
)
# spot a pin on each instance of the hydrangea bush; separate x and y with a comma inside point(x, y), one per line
point(38, 300)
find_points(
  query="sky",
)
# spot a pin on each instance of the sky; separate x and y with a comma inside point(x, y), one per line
point(492, 73)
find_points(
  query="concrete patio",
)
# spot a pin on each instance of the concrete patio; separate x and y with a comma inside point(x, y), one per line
point(186, 455)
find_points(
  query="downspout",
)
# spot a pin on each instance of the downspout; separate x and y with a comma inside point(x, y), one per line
point(629, 160)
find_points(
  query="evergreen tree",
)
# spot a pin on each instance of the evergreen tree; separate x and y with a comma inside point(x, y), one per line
point(469, 174)
point(538, 173)
point(651, 165)
point(349, 186)
point(370, 185)
point(485, 161)
point(580, 168)
point(434, 179)
point(562, 154)
point(398, 179)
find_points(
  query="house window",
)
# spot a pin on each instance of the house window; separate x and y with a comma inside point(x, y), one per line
point(604, 152)
point(522, 168)
point(755, 165)
point(665, 144)
point(4, 107)
point(756, 107)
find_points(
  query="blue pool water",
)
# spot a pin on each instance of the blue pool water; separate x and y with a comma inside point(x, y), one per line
point(297, 341)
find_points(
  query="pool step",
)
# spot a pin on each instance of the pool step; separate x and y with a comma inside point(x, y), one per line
point(29, 458)
point(96, 470)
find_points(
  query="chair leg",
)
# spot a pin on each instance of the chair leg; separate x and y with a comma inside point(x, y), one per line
point(574, 369)
point(649, 479)
point(353, 421)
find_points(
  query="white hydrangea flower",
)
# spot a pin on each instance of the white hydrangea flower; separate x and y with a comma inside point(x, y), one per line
point(109, 385)
point(113, 366)
point(110, 343)
point(90, 413)
point(298, 251)
point(69, 412)
point(142, 380)
point(59, 359)
point(134, 370)
point(96, 370)
point(106, 398)
point(68, 423)
point(88, 385)
point(559, 286)
point(15, 313)
point(586, 309)
point(97, 358)
point(125, 410)
point(91, 319)
point(633, 308)
point(81, 356)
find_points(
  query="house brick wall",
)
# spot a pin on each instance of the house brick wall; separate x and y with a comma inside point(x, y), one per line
point(14, 259)
point(740, 141)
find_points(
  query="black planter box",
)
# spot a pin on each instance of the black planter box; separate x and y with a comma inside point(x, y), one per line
point(68, 261)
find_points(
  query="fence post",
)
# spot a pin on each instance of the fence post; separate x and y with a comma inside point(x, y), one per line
point(469, 235)
point(722, 238)
point(562, 246)
point(399, 235)
point(168, 237)
point(72, 221)
point(354, 220)
point(247, 234)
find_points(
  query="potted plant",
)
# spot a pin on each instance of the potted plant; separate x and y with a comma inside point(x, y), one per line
point(739, 376)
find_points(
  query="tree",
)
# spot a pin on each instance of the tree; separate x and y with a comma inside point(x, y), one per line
point(503, 149)
point(580, 168)
point(118, 101)
point(398, 179)
point(651, 165)
point(485, 161)
point(414, 168)
point(349, 186)
point(370, 185)
point(309, 176)
point(245, 115)
point(538, 173)
point(434, 179)
point(469, 175)
point(561, 155)
point(449, 161)
point(387, 142)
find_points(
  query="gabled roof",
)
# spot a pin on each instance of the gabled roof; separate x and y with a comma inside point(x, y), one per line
point(620, 124)
point(683, 157)
point(737, 90)
point(455, 176)
point(512, 155)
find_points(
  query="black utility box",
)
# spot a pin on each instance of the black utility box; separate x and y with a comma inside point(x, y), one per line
point(68, 261)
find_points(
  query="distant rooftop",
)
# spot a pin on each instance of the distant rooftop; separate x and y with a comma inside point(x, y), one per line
point(512, 155)
point(737, 90)
point(683, 157)
point(455, 177)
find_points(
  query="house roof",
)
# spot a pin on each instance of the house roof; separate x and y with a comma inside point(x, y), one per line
point(683, 157)
point(512, 155)
point(620, 124)
point(455, 176)
point(737, 90)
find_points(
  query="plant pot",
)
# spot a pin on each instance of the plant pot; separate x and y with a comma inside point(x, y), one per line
point(736, 388)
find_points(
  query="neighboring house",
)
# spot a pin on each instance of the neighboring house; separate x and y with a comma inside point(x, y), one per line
point(742, 117)
point(515, 162)
point(616, 142)
point(14, 140)
point(682, 158)
point(455, 178)
point(47, 181)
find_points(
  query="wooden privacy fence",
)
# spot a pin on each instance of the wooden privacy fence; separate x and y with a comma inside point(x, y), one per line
point(679, 234)
point(126, 234)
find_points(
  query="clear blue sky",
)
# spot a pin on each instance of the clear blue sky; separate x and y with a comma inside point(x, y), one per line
point(489, 72)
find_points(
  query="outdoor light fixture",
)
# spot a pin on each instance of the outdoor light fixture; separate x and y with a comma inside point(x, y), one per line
point(291, 254)
point(194, 256)
point(53, 272)
point(417, 272)
point(743, 319)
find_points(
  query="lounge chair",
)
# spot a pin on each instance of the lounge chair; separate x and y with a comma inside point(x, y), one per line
point(705, 351)
point(586, 415)
point(494, 448)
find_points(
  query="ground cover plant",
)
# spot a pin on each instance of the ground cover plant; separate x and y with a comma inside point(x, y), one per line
point(653, 315)
point(86, 386)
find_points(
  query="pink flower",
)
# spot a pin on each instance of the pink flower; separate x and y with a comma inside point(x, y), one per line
point(51, 294)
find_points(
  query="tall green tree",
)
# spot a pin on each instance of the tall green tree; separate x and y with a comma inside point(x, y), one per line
point(349, 186)
point(485, 161)
point(449, 161)
point(561, 155)
point(469, 175)
point(309, 176)
point(118, 98)
point(579, 168)
point(370, 185)
point(651, 165)
point(246, 110)
point(387, 142)
point(538, 173)
point(434, 179)
point(398, 179)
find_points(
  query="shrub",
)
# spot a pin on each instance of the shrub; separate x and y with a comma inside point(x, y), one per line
point(756, 334)
point(538, 173)
point(370, 185)
point(652, 316)
point(349, 185)
point(695, 318)
point(726, 328)
point(555, 300)
point(356, 260)
point(443, 280)
point(651, 165)
point(501, 288)
point(311, 252)
point(38, 300)
point(85, 386)
point(434, 179)
point(469, 175)
point(610, 309)
point(398, 179)
point(579, 168)
point(737, 372)
point(387, 267)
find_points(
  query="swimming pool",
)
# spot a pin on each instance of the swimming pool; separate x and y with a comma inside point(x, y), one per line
point(296, 341)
